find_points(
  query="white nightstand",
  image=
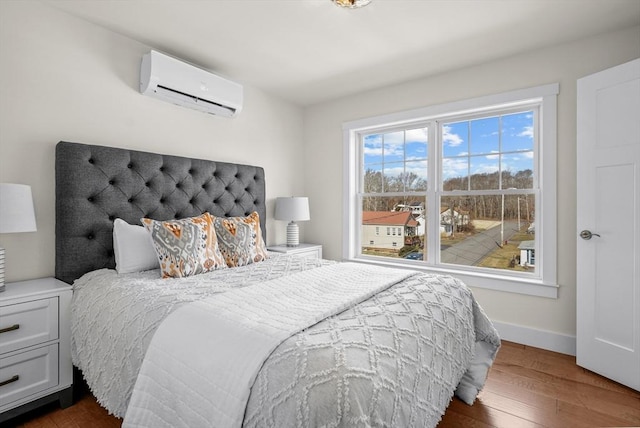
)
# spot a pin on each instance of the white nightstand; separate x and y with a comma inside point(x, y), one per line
point(304, 250)
point(35, 346)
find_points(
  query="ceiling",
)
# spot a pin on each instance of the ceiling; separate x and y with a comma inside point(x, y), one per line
point(310, 51)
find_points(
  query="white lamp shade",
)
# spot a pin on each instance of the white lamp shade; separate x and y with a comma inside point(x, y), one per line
point(292, 209)
point(16, 208)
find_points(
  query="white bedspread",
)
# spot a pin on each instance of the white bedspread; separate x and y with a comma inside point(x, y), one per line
point(114, 317)
point(393, 360)
point(204, 358)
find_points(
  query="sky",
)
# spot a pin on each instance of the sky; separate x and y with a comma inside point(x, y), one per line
point(388, 152)
point(483, 145)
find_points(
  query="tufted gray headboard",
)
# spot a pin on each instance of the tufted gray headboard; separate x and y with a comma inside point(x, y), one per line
point(97, 184)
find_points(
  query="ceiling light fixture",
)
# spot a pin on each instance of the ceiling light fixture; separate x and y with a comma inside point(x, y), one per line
point(351, 4)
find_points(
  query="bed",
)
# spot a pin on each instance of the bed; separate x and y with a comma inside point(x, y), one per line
point(276, 342)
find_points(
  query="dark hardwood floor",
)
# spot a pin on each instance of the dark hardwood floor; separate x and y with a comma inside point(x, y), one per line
point(527, 387)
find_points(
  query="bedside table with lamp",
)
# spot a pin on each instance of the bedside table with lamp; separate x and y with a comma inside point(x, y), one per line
point(294, 209)
point(35, 334)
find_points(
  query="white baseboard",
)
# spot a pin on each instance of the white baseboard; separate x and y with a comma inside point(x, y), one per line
point(548, 340)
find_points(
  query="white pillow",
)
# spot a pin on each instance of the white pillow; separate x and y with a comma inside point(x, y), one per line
point(133, 248)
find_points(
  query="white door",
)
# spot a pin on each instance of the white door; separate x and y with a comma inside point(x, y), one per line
point(608, 220)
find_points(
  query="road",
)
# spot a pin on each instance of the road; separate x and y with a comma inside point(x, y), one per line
point(473, 249)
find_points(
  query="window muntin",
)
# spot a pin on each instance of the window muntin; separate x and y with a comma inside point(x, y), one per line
point(540, 282)
point(494, 239)
point(489, 152)
point(481, 220)
point(482, 159)
point(395, 161)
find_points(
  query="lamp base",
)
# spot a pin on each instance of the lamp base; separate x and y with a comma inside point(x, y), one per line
point(1, 269)
point(292, 235)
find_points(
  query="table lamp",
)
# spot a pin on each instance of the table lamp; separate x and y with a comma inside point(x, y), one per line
point(292, 209)
point(16, 215)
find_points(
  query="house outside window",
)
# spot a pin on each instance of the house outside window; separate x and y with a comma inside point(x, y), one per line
point(373, 220)
point(470, 180)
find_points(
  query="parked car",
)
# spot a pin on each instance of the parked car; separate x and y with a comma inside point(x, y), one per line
point(415, 255)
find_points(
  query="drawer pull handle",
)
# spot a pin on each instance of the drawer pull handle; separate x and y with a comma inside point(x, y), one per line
point(10, 328)
point(11, 380)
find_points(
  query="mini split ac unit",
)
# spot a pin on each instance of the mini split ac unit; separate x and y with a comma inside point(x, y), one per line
point(177, 82)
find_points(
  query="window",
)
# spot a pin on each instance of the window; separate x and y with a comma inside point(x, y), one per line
point(469, 185)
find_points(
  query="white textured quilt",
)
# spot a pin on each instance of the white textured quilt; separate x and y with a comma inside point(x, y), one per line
point(208, 353)
point(393, 360)
point(114, 317)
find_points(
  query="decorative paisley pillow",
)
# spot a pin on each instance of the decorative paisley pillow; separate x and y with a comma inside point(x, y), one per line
point(240, 239)
point(185, 247)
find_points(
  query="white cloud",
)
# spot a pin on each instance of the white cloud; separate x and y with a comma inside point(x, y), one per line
point(519, 162)
point(454, 168)
point(419, 168)
point(419, 135)
point(527, 131)
point(453, 140)
point(372, 145)
point(393, 149)
point(485, 169)
point(394, 138)
point(372, 151)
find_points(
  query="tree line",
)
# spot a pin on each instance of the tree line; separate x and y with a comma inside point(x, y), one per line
point(478, 207)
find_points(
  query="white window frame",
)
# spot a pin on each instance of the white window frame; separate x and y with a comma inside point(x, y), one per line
point(541, 283)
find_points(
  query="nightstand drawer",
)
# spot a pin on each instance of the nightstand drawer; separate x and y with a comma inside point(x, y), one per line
point(28, 373)
point(27, 324)
point(302, 250)
point(315, 253)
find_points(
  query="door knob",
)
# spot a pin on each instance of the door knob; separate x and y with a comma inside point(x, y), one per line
point(586, 235)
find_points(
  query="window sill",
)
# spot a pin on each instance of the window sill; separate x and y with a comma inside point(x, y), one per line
point(530, 287)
